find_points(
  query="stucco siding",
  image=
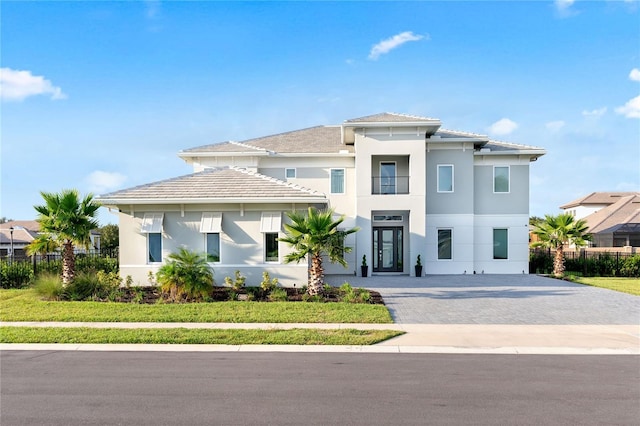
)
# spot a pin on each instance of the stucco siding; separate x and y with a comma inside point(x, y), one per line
point(516, 201)
point(518, 244)
point(461, 200)
point(462, 252)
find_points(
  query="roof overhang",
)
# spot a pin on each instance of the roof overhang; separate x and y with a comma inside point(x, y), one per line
point(428, 127)
point(221, 200)
point(533, 154)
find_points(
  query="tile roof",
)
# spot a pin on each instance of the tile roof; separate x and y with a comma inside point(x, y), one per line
point(390, 117)
point(624, 211)
point(319, 139)
point(598, 198)
point(31, 225)
point(228, 183)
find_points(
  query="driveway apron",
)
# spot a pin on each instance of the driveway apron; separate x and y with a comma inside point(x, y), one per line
point(497, 299)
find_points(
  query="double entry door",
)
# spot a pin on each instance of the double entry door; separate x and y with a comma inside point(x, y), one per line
point(387, 249)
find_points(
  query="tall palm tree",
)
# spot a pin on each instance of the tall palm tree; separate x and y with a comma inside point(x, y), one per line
point(316, 234)
point(68, 219)
point(555, 232)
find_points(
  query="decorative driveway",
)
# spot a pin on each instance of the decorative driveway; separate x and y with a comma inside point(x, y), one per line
point(497, 299)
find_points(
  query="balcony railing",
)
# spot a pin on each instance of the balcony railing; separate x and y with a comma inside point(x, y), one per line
point(389, 185)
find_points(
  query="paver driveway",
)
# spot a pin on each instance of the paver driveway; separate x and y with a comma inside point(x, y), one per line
point(497, 299)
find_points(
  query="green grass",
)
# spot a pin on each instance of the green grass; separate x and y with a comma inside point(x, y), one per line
point(625, 285)
point(296, 336)
point(24, 305)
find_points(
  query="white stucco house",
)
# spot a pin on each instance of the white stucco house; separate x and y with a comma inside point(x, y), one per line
point(457, 199)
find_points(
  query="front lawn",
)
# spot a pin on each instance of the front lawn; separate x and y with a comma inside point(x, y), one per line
point(24, 305)
point(297, 336)
point(625, 285)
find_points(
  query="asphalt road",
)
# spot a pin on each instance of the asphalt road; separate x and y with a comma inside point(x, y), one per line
point(162, 388)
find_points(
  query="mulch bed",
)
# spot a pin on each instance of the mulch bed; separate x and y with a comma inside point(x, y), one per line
point(150, 295)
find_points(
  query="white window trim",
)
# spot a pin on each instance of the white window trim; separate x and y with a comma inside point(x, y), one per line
point(494, 241)
point(395, 176)
point(204, 235)
point(152, 223)
point(452, 179)
point(508, 180)
point(437, 252)
point(211, 223)
point(149, 262)
point(344, 180)
point(295, 173)
point(270, 222)
point(264, 244)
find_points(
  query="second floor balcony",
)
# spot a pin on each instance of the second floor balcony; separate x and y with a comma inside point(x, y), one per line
point(389, 185)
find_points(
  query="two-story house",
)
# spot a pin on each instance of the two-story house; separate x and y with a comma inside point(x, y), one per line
point(459, 200)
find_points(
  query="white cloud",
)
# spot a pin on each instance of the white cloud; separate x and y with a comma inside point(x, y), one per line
point(385, 46)
point(101, 182)
point(152, 8)
point(631, 109)
point(504, 126)
point(17, 85)
point(555, 126)
point(634, 75)
point(595, 112)
point(563, 5)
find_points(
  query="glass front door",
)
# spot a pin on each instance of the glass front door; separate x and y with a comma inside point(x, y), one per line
point(387, 249)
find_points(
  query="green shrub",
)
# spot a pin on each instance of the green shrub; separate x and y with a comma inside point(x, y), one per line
point(278, 295)
point(350, 295)
point(17, 274)
point(49, 286)
point(254, 293)
point(267, 283)
point(631, 266)
point(237, 283)
point(186, 275)
point(315, 298)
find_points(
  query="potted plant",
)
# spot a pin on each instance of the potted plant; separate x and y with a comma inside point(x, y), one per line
point(418, 267)
point(364, 268)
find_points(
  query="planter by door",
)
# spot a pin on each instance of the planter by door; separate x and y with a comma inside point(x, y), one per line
point(418, 270)
point(364, 269)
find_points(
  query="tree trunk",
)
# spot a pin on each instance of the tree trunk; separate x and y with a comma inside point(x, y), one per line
point(316, 276)
point(558, 262)
point(68, 263)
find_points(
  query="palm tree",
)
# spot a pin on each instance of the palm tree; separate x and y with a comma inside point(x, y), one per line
point(316, 234)
point(43, 244)
point(67, 219)
point(186, 274)
point(555, 232)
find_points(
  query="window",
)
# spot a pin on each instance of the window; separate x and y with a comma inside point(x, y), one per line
point(390, 218)
point(500, 244)
point(337, 181)
point(271, 247)
point(445, 178)
point(290, 173)
point(152, 226)
point(154, 244)
point(212, 241)
point(388, 177)
point(501, 179)
point(444, 244)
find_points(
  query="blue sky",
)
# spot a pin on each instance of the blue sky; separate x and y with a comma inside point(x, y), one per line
point(101, 96)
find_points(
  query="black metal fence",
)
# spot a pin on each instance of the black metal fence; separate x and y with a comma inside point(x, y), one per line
point(588, 263)
point(19, 272)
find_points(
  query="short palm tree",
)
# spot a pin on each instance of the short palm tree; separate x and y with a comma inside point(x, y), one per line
point(316, 234)
point(555, 232)
point(42, 245)
point(186, 274)
point(67, 219)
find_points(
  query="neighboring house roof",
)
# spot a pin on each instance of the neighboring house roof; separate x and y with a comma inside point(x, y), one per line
point(313, 140)
point(21, 236)
point(31, 225)
point(598, 198)
point(228, 184)
point(625, 211)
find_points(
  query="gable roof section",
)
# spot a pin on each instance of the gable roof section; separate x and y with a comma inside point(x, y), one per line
point(623, 212)
point(222, 185)
point(598, 198)
point(391, 117)
point(313, 140)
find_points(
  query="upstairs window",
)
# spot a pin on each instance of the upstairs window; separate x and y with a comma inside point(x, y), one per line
point(337, 181)
point(290, 173)
point(445, 177)
point(501, 179)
